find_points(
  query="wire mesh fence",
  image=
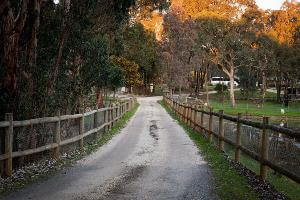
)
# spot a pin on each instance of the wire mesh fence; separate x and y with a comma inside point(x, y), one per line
point(284, 151)
point(268, 145)
point(30, 140)
point(250, 138)
point(33, 136)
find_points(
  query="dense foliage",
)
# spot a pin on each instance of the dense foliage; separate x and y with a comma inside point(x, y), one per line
point(54, 55)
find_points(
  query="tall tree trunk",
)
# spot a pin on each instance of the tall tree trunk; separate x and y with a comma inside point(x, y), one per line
point(231, 90)
point(35, 23)
point(34, 20)
point(206, 85)
point(63, 39)
point(278, 89)
point(197, 83)
point(99, 98)
point(11, 29)
point(263, 88)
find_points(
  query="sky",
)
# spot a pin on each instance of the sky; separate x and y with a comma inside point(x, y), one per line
point(270, 4)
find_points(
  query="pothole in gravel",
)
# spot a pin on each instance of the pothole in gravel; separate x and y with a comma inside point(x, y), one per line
point(116, 187)
point(153, 129)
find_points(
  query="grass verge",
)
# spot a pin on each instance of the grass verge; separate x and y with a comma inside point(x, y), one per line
point(283, 184)
point(229, 184)
point(44, 169)
point(270, 108)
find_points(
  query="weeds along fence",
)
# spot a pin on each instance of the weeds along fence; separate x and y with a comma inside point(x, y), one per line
point(271, 146)
point(21, 141)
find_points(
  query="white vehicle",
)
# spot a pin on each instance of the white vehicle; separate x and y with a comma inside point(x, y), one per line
point(222, 80)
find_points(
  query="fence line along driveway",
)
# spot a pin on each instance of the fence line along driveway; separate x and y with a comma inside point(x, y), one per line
point(151, 158)
point(272, 146)
point(23, 138)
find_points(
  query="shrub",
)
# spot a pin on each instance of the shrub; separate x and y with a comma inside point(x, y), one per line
point(220, 88)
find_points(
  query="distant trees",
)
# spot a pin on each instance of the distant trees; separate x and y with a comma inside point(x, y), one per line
point(235, 37)
point(141, 47)
point(131, 72)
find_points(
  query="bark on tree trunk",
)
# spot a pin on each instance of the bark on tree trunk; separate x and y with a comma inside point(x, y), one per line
point(278, 88)
point(206, 85)
point(11, 29)
point(231, 78)
point(64, 37)
point(197, 83)
point(99, 98)
point(263, 88)
point(32, 47)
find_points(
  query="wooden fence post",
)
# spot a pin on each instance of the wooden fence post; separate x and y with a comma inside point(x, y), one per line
point(81, 129)
point(182, 113)
point(111, 112)
point(210, 126)
point(192, 116)
point(189, 122)
point(9, 131)
point(96, 124)
point(106, 120)
point(202, 121)
point(238, 139)
point(119, 111)
point(123, 109)
point(186, 114)
point(264, 149)
point(221, 130)
point(57, 137)
point(195, 118)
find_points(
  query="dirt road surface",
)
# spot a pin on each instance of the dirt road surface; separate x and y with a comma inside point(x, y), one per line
point(152, 158)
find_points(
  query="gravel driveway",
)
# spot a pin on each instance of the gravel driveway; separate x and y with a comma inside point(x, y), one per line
point(152, 158)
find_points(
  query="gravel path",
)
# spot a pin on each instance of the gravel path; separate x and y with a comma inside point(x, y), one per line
point(152, 158)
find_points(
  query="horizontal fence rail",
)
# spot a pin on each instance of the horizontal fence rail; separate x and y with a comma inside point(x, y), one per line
point(110, 116)
point(232, 135)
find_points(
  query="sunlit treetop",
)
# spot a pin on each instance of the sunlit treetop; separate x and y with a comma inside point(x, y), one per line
point(226, 9)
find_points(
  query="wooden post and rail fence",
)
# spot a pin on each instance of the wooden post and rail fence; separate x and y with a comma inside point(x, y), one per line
point(8, 125)
point(188, 114)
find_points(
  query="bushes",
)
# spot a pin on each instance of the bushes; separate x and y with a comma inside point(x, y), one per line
point(220, 88)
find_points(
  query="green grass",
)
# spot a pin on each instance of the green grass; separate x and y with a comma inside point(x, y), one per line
point(229, 183)
point(269, 109)
point(69, 161)
point(283, 184)
point(238, 95)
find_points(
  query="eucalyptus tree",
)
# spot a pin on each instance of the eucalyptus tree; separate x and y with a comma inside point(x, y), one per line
point(178, 39)
point(225, 46)
point(41, 50)
point(284, 24)
point(214, 29)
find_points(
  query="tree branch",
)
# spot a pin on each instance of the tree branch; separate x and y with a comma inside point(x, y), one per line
point(21, 17)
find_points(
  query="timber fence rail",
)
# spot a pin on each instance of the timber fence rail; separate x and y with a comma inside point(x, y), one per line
point(212, 124)
point(109, 116)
